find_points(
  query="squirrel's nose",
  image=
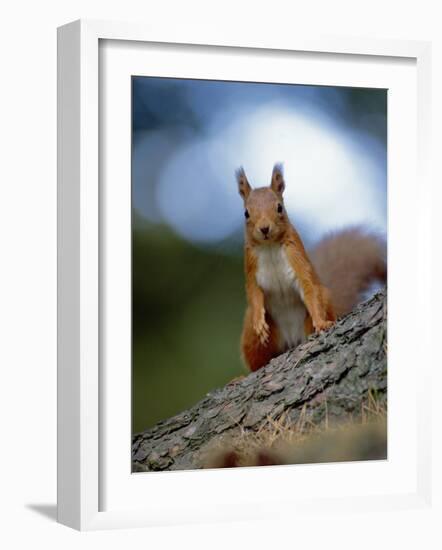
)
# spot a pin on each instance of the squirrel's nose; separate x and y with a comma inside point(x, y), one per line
point(265, 230)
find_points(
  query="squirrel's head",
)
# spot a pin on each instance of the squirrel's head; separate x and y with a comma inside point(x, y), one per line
point(265, 216)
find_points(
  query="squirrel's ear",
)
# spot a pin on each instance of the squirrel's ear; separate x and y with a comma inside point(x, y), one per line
point(278, 184)
point(243, 184)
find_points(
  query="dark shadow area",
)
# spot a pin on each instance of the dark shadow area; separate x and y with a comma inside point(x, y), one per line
point(48, 511)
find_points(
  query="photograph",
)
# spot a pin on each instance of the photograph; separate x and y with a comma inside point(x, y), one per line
point(221, 275)
point(259, 274)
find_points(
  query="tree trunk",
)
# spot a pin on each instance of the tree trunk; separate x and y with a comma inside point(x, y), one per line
point(330, 375)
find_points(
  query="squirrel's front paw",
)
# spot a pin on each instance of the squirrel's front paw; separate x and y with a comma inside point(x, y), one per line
point(262, 329)
point(322, 325)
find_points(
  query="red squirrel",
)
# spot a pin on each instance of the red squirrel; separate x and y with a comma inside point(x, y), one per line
point(291, 294)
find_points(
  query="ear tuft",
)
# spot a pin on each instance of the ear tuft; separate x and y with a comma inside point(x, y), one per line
point(243, 184)
point(277, 183)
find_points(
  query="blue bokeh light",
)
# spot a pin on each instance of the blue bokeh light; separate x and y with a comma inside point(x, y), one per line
point(187, 147)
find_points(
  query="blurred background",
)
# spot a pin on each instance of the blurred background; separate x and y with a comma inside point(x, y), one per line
point(189, 136)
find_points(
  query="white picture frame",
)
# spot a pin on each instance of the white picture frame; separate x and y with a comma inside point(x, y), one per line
point(80, 316)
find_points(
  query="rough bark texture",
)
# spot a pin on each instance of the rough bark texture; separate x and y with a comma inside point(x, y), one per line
point(331, 374)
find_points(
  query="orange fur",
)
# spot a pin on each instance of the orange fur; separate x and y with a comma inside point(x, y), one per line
point(316, 296)
point(346, 263)
point(256, 352)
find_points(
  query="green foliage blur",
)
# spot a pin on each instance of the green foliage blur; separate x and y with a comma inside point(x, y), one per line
point(187, 308)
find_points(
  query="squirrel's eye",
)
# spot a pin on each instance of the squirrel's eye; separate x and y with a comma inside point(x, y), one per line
point(279, 208)
point(246, 214)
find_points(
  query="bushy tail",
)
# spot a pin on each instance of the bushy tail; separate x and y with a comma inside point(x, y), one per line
point(348, 262)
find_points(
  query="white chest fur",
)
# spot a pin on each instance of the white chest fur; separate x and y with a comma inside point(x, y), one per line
point(283, 296)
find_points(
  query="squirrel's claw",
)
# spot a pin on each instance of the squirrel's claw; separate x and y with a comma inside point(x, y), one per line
point(262, 330)
point(322, 325)
point(264, 338)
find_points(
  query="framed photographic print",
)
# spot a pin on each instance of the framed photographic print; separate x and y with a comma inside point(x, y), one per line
point(228, 215)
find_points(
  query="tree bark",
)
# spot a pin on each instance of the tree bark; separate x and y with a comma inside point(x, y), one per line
point(329, 375)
